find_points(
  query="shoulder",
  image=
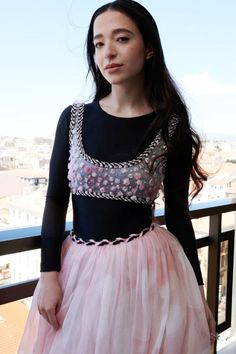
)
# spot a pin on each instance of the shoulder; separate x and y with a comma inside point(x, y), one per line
point(63, 124)
point(180, 141)
point(67, 113)
point(179, 131)
point(88, 108)
point(64, 119)
point(87, 111)
point(172, 128)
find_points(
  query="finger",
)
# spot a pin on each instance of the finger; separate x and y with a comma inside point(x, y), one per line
point(53, 319)
point(213, 337)
point(212, 328)
point(58, 306)
point(213, 333)
point(44, 315)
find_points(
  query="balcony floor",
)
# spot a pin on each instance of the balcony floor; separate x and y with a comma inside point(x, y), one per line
point(229, 349)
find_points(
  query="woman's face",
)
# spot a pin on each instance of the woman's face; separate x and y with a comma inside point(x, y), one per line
point(120, 52)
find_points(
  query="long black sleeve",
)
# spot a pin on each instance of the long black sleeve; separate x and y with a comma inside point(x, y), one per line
point(57, 199)
point(176, 185)
point(176, 189)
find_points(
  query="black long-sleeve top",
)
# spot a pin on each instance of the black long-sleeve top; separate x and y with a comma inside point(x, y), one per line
point(114, 139)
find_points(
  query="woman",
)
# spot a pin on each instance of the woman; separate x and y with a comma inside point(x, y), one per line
point(121, 283)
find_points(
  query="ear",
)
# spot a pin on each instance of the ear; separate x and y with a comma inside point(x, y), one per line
point(149, 54)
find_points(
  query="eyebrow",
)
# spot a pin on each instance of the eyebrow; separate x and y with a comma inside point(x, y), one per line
point(114, 32)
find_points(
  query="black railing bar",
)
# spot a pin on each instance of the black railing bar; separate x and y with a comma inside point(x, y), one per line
point(230, 269)
point(18, 291)
point(14, 243)
point(19, 244)
point(203, 242)
point(227, 235)
point(13, 288)
point(213, 276)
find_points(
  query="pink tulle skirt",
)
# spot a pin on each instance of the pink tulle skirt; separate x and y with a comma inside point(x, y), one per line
point(137, 297)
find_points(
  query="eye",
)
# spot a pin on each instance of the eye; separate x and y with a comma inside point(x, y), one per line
point(123, 39)
point(98, 45)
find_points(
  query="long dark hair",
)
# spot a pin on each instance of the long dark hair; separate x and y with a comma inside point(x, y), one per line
point(161, 90)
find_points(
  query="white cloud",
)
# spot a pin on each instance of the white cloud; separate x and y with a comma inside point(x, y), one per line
point(204, 84)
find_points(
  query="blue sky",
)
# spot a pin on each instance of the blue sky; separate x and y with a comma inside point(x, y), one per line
point(43, 65)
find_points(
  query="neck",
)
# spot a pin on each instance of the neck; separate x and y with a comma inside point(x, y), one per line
point(126, 102)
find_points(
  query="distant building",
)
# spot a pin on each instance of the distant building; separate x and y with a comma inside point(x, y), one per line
point(7, 162)
point(231, 189)
point(27, 210)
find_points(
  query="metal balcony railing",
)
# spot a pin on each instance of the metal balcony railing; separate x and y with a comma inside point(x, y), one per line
point(19, 240)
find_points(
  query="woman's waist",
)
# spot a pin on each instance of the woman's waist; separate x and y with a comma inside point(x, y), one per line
point(104, 219)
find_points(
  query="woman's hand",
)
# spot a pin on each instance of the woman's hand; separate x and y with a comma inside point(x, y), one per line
point(49, 298)
point(210, 319)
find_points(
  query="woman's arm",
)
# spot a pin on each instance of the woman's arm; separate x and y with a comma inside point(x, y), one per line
point(57, 199)
point(178, 222)
point(53, 225)
point(176, 191)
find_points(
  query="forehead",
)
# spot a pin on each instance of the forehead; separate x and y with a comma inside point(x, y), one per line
point(111, 20)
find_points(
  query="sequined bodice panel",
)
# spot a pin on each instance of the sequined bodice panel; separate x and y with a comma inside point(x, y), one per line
point(137, 180)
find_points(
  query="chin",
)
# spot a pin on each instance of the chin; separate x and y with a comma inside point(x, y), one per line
point(119, 81)
point(135, 79)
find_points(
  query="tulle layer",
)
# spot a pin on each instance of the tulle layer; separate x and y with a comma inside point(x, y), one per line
point(137, 297)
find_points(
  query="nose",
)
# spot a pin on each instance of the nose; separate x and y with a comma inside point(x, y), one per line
point(110, 51)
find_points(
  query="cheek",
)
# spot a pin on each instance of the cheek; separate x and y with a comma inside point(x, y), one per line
point(97, 59)
point(136, 55)
point(136, 62)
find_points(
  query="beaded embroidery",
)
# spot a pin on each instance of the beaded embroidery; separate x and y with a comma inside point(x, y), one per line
point(130, 181)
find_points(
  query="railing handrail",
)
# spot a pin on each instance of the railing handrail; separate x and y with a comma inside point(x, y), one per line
point(28, 238)
point(207, 208)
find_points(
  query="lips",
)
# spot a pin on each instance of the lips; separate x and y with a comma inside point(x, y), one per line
point(112, 66)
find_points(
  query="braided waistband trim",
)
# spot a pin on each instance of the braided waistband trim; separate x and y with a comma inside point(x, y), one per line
point(103, 242)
